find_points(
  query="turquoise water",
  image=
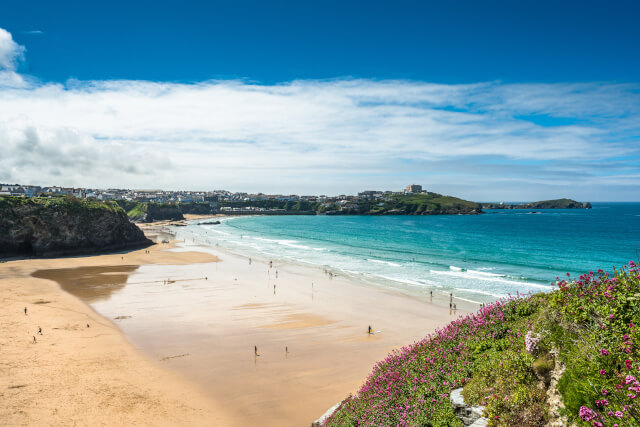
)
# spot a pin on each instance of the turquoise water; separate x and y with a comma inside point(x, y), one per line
point(480, 258)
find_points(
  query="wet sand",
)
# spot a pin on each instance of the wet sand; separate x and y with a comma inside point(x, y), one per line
point(200, 319)
point(206, 330)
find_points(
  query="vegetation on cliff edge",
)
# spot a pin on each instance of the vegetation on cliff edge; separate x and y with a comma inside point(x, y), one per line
point(58, 202)
point(503, 355)
point(429, 203)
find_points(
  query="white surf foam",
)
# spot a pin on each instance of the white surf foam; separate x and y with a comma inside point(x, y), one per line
point(378, 261)
point(489, 277)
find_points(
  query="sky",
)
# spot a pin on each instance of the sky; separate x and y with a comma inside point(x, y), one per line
point(489, 101)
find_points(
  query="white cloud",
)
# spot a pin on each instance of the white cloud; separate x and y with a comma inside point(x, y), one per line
point(315, 136)
point(10, 51)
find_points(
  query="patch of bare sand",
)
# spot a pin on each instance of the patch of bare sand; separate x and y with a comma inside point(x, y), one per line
point(81, 370)
point(298, 321)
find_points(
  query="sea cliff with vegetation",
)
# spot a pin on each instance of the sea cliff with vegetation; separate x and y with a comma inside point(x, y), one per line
point(409, 204)
point(51, 226)
point(571, 356)
point(426, 203)
point(543, 204)
point(397, 204)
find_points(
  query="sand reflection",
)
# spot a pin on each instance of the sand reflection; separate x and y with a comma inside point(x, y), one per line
point(91, 284)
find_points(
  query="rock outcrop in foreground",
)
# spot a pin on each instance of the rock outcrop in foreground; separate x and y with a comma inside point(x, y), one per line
point(63, 226)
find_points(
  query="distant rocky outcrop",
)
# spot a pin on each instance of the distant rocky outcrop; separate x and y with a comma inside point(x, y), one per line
point(544, 204)
point(64, 225)
point(151, 212)
point(163, 213)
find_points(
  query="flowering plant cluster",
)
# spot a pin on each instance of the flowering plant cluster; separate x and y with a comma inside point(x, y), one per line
point(412, 385)
point(503, 361)
point(531, 341)
point(596, 317)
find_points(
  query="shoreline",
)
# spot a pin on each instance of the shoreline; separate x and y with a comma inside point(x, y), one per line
point(318, 335)
point(439, 296)
point(329, 352)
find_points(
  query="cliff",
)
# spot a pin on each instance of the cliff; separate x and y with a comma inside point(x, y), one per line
point(544, 204)
point(150, 212)
point(64, 225)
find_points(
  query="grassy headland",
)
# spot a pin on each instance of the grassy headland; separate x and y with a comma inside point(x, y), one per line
point(543, 204)
point(503, 357)
point(417, 204)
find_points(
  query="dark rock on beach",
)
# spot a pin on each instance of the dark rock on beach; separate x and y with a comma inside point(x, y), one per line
point(63, 226)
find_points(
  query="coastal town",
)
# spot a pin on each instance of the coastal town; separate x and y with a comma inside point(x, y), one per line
point(211, 197)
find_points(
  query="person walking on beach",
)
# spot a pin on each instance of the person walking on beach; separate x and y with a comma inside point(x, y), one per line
point(39, 330)
point(276, 274)
point(255, 350)
point(34, 339)
point(249, 261)
point(370, 331)
point(25, 311)
point(270, 264)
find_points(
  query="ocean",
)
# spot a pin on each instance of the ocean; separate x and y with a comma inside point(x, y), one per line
point(479, 258)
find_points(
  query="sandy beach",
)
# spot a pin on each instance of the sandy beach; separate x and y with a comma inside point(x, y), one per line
point(76, 374)
point(172, 332)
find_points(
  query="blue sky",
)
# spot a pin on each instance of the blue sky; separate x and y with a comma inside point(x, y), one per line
point(489, 100)
point(278, 41)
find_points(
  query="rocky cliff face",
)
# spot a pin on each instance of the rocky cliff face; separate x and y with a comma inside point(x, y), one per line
point(161, 213)
point(62, 226)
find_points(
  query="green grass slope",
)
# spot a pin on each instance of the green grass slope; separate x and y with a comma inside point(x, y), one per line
point(413, 204)
point(503, 355)
point(68, 203)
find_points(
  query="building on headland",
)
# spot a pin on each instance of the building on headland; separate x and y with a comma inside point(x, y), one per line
point(413, 188)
